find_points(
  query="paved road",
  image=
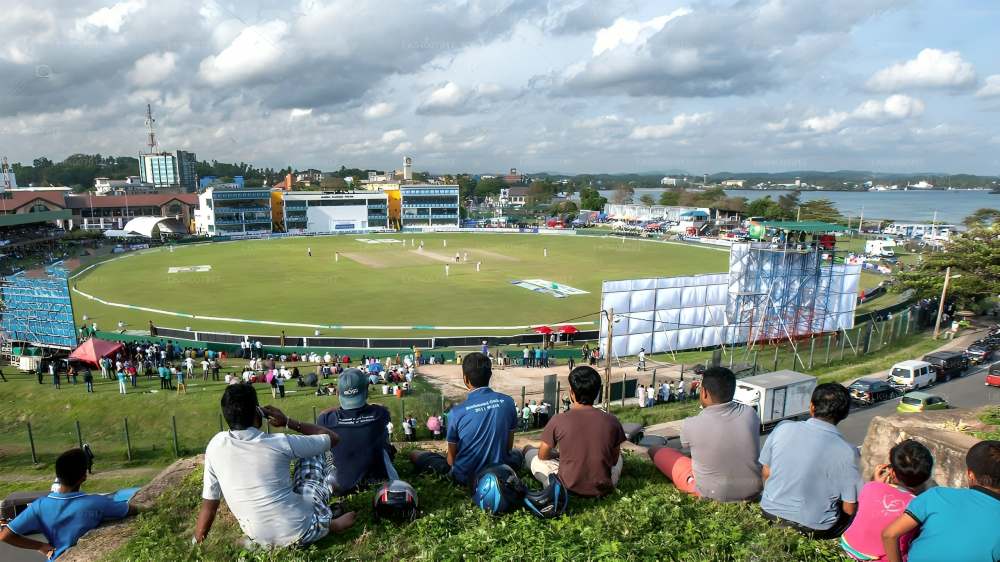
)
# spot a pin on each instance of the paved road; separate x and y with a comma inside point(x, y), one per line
point(966, 392)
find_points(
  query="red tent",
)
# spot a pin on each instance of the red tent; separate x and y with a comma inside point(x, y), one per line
point(92, 350)
point(543, 330)
point(568, 329)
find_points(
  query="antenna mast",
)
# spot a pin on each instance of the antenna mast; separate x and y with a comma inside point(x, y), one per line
point(150, 132)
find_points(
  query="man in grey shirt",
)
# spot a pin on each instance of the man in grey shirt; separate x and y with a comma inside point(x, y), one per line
point(811, 476)
point(724, 439)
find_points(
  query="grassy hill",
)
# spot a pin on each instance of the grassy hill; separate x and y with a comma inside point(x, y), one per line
point(645, 519)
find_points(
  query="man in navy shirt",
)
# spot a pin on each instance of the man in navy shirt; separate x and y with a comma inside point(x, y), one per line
point(480, 430)
point(360, 456)
point(64, 516)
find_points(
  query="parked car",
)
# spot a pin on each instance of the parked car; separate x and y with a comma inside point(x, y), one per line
point(912, 375)
point(920, 402)
point(979, 352)
point(948, 364)
point(993, 375)
point(871, 391)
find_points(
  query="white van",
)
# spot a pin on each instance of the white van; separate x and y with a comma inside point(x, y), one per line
point(880, 248)
point(912, 375)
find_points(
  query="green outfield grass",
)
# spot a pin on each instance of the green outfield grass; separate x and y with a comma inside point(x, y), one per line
point(378, 284)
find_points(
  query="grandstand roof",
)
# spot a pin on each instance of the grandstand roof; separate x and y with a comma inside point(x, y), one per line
point(140, 200)
point(19, 198)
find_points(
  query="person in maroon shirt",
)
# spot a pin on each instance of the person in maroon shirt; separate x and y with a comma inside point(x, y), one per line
point(582, 446)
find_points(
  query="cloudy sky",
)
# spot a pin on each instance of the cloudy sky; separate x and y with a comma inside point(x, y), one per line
point(481, 86)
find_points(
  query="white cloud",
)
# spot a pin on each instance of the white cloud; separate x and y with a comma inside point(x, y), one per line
point(379, 110)
point(678, 124)
point(299, 113)
point(153, 68)
point(598, 122)
point(991, 88)
point(254, 51)
point(626, 31)
point(393, 136)
point(111, 18)
point(775, 126)
point(932, 68)
point(447, 96)
point(403, 147)
point(432, 139)
point(893, 108)
point(826, 123)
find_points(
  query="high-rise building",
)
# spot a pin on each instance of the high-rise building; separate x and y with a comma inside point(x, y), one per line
point(169, 169)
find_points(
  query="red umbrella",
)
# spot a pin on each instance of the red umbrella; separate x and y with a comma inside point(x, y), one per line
point(567, 329)
point(543, 330)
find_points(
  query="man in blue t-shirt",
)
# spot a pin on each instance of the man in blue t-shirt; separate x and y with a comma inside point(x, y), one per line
point(64, 516)
point(957, 524)
point(480, 430)
point(360, 456)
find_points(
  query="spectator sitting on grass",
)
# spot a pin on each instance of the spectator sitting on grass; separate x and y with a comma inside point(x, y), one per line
point(65, 515)
point(810, 471)
point(885, 498)
point(480, 431)
point(251, 470)
point(588, 460)
point(358, 460)
point(954, 523)
point(724, 439)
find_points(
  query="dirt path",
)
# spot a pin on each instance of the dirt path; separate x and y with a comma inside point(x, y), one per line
point(439, 257)
point(366, 259)
point(448, 378)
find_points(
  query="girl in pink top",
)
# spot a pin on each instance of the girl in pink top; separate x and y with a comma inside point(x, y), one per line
point(885, 498)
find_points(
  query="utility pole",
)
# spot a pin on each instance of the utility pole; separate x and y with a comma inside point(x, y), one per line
point(610, 315)
point(944, 291)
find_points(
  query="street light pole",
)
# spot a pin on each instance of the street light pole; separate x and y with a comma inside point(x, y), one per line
point(609, 314)
point(944, 291)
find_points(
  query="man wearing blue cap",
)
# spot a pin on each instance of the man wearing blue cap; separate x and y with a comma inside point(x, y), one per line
point(359, 459)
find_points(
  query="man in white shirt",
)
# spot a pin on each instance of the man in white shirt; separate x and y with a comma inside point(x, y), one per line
point(189, 367)
point(642, 359)
point(251, 470)
point(204, 369)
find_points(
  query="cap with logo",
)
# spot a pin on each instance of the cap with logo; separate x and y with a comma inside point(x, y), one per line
point(352, 388)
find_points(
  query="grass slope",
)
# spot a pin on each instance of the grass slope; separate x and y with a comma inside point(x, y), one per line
point(276, 280)
point(645, 519)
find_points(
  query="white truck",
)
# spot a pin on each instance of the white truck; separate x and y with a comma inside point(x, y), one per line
point(881, 248)
point(777, 396)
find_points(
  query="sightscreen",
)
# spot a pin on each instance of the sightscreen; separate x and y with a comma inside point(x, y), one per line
point(768, 294)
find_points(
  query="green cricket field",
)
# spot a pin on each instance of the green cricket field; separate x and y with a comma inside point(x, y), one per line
point(376, 285)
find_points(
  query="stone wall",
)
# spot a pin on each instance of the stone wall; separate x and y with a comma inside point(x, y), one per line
point(938, 431)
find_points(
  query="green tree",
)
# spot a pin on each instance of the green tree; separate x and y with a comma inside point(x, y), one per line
point(982, 218)
point(671, 197)
point(647, 200)
point(975, 255)
point(591, 199)
point(767, 208)
point(623, 194)
point(489, 186)
point(789, 203)
point(820, 209)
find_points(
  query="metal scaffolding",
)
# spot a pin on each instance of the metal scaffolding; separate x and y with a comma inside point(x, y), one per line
point(38, 310)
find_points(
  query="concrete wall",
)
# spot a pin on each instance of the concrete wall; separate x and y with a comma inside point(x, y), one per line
point(938, 431)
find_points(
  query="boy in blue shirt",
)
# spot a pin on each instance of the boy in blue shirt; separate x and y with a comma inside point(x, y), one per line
point(957, 524)
point(359, 459)
point(63, 516)
point(480, 430)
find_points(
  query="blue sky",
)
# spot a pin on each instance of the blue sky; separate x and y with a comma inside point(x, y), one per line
point(482, 86)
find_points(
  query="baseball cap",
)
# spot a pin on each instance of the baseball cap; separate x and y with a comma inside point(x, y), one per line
point(352, 389)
